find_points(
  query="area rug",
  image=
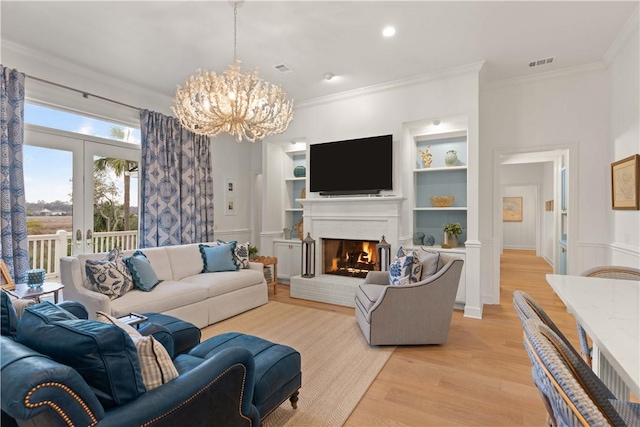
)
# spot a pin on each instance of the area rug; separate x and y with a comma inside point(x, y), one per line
point(338, 365)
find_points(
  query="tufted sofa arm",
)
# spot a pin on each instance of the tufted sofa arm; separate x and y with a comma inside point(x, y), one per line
point(34, 386)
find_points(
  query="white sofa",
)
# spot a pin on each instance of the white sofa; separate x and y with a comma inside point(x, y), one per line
point(185, 292)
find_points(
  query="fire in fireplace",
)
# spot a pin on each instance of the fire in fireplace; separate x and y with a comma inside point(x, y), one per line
point(353, 258)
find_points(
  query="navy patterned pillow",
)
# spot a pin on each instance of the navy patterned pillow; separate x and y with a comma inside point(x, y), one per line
point(240, 253)
point(109, 276)
point(405, 269)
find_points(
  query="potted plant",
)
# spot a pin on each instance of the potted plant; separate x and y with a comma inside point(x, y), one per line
point(451, 232)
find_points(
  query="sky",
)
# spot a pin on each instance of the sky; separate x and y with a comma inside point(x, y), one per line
point(48, 172)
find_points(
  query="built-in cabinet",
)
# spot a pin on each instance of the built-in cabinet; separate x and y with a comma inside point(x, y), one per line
point(289, 254)
point(440, 179)
point(295, 186)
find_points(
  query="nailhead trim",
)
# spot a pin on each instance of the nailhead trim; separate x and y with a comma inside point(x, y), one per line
point(244, 378)
point(56, 408)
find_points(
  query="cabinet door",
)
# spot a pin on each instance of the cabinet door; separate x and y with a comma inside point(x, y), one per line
point(289, 259)
point(562, 258)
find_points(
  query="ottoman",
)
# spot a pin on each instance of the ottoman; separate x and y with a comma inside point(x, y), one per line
point(185, 335)
point(278, 376)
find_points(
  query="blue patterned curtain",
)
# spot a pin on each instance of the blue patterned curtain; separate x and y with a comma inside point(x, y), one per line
point(13, 212)
point(177, 185)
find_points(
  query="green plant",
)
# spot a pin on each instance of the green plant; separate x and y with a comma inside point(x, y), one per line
point(453, 228)
point(253, 251)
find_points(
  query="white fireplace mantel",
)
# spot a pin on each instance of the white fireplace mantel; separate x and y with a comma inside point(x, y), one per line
point(365, 218)
point(357, 218)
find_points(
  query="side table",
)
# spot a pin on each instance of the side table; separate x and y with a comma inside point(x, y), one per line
point(23, 291)
point(266, 261)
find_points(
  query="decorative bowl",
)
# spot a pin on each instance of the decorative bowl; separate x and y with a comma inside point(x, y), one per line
point(442, 201)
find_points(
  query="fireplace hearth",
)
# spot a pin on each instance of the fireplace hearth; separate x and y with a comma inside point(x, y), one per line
point(345, 257)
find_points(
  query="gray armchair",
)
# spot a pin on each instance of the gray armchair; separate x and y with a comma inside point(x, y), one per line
point(417, 313)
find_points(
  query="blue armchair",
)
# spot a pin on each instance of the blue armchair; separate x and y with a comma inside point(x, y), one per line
point(37, 390)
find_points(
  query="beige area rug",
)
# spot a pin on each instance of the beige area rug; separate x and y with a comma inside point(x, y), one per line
point(338, 365)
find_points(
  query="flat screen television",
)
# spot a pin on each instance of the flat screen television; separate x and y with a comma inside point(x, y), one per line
point(350, 167)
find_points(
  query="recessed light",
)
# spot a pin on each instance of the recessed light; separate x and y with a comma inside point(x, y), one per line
point(328, 76)
point(436, 122)
point(388, 32)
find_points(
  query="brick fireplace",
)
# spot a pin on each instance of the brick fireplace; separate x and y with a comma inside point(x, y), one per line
point(345, 220)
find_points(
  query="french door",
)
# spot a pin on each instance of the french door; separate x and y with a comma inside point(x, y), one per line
point(69, 187)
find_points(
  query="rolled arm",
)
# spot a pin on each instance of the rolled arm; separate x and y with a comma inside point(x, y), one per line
point(34, 386)
point(217, 392)
point(71, 278)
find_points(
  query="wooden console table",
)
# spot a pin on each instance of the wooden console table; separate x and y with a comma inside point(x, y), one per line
point(269, 260)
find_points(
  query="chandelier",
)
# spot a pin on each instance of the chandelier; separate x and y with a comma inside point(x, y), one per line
point(240, 104)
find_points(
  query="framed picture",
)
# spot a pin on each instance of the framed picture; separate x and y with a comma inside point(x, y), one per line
point(229, 205)
point(625, 188)
point(230, 186)
point(512, 209)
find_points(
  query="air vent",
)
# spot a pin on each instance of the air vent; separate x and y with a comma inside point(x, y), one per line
point(540, 62)
point(283, 68)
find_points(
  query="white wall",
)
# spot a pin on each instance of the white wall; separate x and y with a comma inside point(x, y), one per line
point(566, 110)
point(523, 180)
point(624, 135)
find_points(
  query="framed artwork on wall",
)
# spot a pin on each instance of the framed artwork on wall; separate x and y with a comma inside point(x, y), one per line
point(229, 205)
point(625, 188)
point(512, 209)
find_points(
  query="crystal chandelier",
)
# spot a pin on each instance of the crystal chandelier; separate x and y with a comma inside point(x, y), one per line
point(240, 104)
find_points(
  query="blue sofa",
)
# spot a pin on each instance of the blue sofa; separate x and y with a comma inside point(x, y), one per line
point(38, 390)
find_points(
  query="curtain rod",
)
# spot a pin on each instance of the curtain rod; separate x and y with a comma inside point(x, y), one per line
point(85, 94)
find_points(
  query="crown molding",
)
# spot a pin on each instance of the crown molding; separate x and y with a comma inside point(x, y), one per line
point(596, 66)
point(627, 31)
point(411, 81)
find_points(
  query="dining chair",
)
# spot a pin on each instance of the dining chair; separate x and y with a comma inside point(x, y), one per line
point(604, 272)
point(577, 397)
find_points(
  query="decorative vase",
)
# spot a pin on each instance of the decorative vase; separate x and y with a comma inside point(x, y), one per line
point(451, 158)
point(287, 233)
point(430, 240)
point(299, 171)
point(451, 240)
point(35, 277)
point(418, 238)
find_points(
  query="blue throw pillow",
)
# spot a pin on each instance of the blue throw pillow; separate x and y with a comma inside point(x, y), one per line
point(104, 355)
point(405, 269)
point(9, 319)
point(141, 271)
point(219, 258)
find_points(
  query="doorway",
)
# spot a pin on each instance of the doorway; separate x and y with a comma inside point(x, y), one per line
point(81, 192)
point(548, 223)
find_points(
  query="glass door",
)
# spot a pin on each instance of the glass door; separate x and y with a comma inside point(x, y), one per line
point(79, 189)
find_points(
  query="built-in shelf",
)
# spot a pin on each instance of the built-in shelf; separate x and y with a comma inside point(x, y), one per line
point(441, 209)
point(440, 169)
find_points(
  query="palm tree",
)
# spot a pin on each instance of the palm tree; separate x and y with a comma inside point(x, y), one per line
point(121, 167)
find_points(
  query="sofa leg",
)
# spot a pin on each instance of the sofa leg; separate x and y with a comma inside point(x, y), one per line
point(294, 399)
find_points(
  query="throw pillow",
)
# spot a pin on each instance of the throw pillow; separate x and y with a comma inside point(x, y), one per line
point(141, 271)
point(109, 276)
point(8, 318)
point(155, 363)
point(405, 269)
point(429, 260)
point(218, 258)
point(241, 253)
point(103, 355)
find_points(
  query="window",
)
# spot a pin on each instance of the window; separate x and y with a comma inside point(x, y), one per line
point(71, 122)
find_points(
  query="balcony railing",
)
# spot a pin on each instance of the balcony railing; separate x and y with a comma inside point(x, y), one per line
point(45, 250)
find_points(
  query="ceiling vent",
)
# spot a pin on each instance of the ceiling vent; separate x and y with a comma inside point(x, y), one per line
point(283, 68)
point(540, 62)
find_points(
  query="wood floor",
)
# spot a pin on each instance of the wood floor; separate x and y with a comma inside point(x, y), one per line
point(480, 377)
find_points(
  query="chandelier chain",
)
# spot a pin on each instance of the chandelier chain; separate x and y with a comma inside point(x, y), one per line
point(235, 25)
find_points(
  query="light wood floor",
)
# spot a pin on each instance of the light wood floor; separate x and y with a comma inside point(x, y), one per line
point(480, 377)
